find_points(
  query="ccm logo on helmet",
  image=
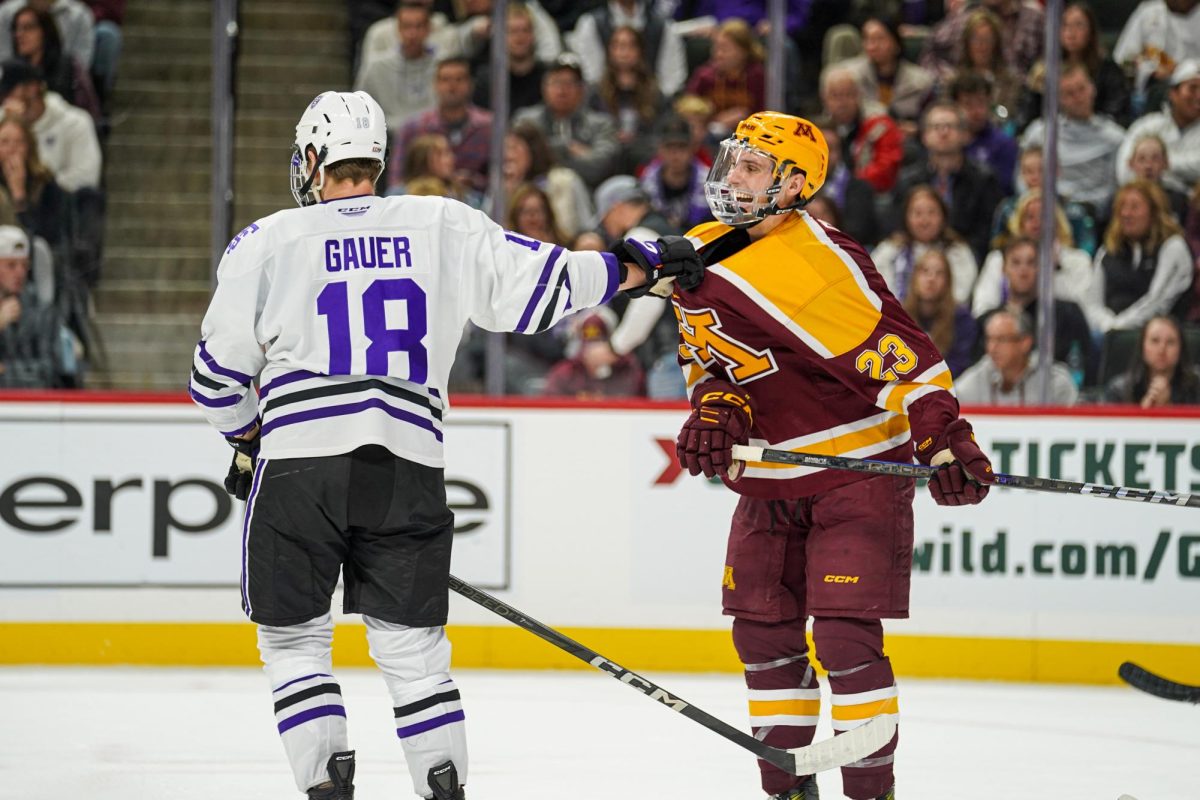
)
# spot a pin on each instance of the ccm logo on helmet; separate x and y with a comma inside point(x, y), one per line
point(841, 579)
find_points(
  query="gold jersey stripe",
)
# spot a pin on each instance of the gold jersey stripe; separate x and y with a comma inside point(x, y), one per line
point(849, 442)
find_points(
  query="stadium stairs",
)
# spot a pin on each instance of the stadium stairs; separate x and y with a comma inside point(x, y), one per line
point(156, 278)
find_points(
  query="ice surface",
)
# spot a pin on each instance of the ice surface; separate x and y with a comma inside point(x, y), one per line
point(201, 734)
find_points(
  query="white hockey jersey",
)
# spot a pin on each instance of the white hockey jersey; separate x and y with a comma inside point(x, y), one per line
point(350, 313)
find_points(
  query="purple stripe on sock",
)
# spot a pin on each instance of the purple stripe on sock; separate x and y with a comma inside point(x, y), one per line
point(311, 714)
point(284, 380)
point(430, 724)
point(262, 462)
point(217, 402)
point(217, 369)
point(540, 290)
point(353, 408)
point(297, 680)
point(614, 276)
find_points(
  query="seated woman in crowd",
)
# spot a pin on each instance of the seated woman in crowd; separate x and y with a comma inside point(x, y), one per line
point(982, 51)
point(36, 41)
point(931, 303)
point(1144, 267)
point(885, 76)
point(1162, 372)
point(1072, 266)
point(430, 156)
point(1029, 177)
point(628, 92)
point(530, 214)
point(733, 80)
point(1079, 35)
point(528, 159)
point(40, 204)
point(925, 227)
point(1149, 161)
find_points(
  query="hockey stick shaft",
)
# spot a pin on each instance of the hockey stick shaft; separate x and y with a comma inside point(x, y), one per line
point(1104, 491)
point(844, 749)
point(1148, 682)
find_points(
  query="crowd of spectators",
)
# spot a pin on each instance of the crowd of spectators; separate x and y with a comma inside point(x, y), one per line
point(933, 117)
point(58, 64)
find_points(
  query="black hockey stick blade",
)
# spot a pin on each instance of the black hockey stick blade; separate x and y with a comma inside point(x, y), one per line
point(1103, 491)
point(1156, 685)
point(843, 749)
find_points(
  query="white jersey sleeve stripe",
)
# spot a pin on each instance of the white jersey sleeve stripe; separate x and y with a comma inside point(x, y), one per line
point(539, 289)
point(217, 369)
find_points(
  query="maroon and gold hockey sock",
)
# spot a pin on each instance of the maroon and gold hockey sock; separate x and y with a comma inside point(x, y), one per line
point(785, 698)
point(863, 687)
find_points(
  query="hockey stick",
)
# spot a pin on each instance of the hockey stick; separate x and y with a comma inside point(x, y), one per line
point(1156, 685)
point(845, 748)
point(765, 455)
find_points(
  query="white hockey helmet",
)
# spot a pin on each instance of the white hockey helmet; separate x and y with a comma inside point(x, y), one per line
point(337, 126)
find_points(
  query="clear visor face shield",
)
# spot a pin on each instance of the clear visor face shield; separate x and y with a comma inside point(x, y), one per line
point(743, 184)
point(303, 188)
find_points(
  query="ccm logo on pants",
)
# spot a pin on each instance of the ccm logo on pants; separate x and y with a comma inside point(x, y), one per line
point(841, 579)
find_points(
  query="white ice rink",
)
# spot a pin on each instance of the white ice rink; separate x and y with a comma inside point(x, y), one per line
point(208, 734)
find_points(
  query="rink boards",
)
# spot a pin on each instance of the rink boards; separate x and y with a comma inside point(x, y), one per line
point(117, 544)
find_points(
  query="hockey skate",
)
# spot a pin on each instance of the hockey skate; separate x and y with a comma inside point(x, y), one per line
point(805, 791)
point(443, 782)
point(890, 794)
point(340, 785)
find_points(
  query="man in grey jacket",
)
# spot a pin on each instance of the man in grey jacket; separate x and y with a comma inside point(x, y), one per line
point(1008, 374)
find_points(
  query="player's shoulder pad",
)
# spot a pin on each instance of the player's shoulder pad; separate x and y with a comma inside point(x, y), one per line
point(705, 232)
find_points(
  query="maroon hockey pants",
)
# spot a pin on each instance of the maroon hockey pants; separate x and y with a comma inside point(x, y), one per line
point(843, 557)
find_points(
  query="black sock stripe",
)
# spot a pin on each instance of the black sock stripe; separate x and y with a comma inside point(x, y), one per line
point(277, 401)
point(428, 702)
point(312, 691)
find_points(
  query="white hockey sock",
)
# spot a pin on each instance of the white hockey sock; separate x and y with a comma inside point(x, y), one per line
point(429, 716)
point(309, 712)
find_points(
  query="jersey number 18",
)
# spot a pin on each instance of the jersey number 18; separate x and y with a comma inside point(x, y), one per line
point(333, 303)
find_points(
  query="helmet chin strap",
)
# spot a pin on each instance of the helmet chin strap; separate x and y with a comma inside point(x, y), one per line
point(317, 167)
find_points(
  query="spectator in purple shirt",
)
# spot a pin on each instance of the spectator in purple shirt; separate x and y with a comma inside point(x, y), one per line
point(467, 127)
point(987, 144)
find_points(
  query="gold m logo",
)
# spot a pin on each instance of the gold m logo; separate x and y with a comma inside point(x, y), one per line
point(705, 343)
point(727, 580)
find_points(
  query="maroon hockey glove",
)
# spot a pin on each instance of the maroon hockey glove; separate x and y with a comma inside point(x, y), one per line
point(720, 419)
point(963, 471)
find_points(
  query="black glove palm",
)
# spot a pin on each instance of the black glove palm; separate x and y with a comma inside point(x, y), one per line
point(671, 259)
point(240, 477)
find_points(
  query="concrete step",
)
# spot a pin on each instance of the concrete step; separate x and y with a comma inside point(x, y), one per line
point(137, 232)
point(195, 122)
point(161, 294)
point(315, 16)
point(168, 67)
point(159, 264)
point(167, 15)
point(183, 176)
point(146, 93)
point(267, 42)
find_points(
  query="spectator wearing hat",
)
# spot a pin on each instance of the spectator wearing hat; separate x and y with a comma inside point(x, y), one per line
point(32, 336)
point(581, 139)
point(66, 137)
point(622, 205)
point(674, 180)
point(1178, 125)
point(1159, 35)
point(582, 374)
